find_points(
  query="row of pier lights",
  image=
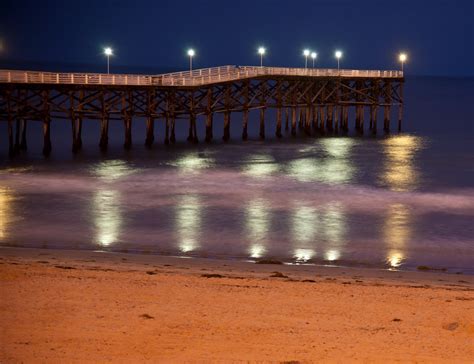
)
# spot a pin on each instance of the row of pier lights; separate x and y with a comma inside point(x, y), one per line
point(402, 57)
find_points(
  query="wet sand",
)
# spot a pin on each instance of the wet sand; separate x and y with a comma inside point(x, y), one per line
point(73, 306)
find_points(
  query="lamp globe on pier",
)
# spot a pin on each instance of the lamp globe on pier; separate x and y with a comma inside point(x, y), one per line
point(338, 55)
point(108, 52)
point(191, 54)
point(402, 58)
point(313, 57)
point(261, 51)
point(306, 53)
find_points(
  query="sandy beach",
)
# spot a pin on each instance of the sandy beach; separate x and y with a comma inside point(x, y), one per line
point(78, 306)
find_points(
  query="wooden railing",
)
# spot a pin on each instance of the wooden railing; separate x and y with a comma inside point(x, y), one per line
point(194, 78)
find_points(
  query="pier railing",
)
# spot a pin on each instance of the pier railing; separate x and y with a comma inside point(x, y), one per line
point(190, 78)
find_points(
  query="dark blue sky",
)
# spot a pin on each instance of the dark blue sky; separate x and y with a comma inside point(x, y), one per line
point(438, 35)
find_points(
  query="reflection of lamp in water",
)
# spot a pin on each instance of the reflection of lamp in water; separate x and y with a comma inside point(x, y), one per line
point(192, 162)
point(107, 216)
point(112, 170)
point(260, 165)
point(6, 211)
point(397, 232)
point(332, 255)
point(304, 222)
point(336, 168)
point(304, 255)
point(257, 219)
point(188, 218)
point(399, 173)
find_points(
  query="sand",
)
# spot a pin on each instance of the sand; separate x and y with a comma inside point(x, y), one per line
point(78, 307)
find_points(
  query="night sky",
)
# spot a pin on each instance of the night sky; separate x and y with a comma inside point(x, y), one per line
point(154, 35)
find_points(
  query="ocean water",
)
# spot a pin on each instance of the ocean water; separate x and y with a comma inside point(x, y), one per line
point(396, 201)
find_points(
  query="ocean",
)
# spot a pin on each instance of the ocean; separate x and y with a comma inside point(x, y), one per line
point(396, 201)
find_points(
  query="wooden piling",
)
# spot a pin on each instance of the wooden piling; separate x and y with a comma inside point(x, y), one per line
point(150, 127)
point(23, 143)
point(226, 135)
point(245, 121)
point(104, 133)
point(322, 120)
point(128, 132)
point(330, 117)
point(262, 123)
point(287, 117)
point(278, 113)
point(400, 108)
point(386, 110)
point(167, 128)
point(307, 124)
point(209, 115)
point(361, 120)
point(47, 136)
point(293, 121)
point(373, 118)
point(17, 137)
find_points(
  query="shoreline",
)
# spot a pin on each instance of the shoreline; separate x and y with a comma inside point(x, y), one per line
point(76, 306)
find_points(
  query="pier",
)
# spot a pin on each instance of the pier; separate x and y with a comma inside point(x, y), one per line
point(316, 101)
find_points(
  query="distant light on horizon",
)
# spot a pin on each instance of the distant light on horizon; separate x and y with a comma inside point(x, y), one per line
point(402, 57)
point(191, 52)
point(306, 52)
point(261, 50)
point(108, 51)
point(338, 54)
point(314, 55)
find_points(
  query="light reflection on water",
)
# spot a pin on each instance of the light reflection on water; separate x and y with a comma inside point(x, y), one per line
point(107, 216)
point(188, 222)
point(335, 168)
point(6, 211)
point(396, 230)
point(260, 165)
point(399, 172)
point(193, 162)
point(257, 224)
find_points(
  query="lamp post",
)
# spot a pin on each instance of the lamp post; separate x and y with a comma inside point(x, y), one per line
point(108, 52)
point(191, 54)
point(313, 56)
point(261, 51)
point(306, 53)
point(338, 56)
point(402, 58)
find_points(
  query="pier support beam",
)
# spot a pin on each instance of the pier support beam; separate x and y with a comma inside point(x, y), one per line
point(11, 146)
point(330, 117)
point(262, 123)
point(400, 108)
point(373, 119)
point(278, 123)
point(76, 134)
point(226, 135)
point(386, 119)
point(172, 128)
point(245, 121)
point(293, 121)
point(47, 136)
point(287, 117)
point(104, 133)
point(128, 132)
point(307, 124)
point(322, 119)
point(150, 128)
point(209, 122)
point(167, 128)
point(23, 143)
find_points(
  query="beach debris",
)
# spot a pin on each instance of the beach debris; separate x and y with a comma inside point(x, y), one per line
point(268, 261)
point(212, 275)
point(278, 275)
point(397, 320)
point(427, 268)
point(309, 280)
point(146, 316)
point(151, 272)
point(64, 267)
point(451, 326)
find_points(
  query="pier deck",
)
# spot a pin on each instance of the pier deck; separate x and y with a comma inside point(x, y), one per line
point(315, 100)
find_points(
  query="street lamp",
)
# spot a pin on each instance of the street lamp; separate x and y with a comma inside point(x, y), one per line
point(261, 51)
point(108, 52)
point(306, 53)
point(338, 56)
point(313, 56)
point(402, 57)
point(191, 54)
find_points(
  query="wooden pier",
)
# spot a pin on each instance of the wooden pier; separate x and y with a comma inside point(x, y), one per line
point(316, 101)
